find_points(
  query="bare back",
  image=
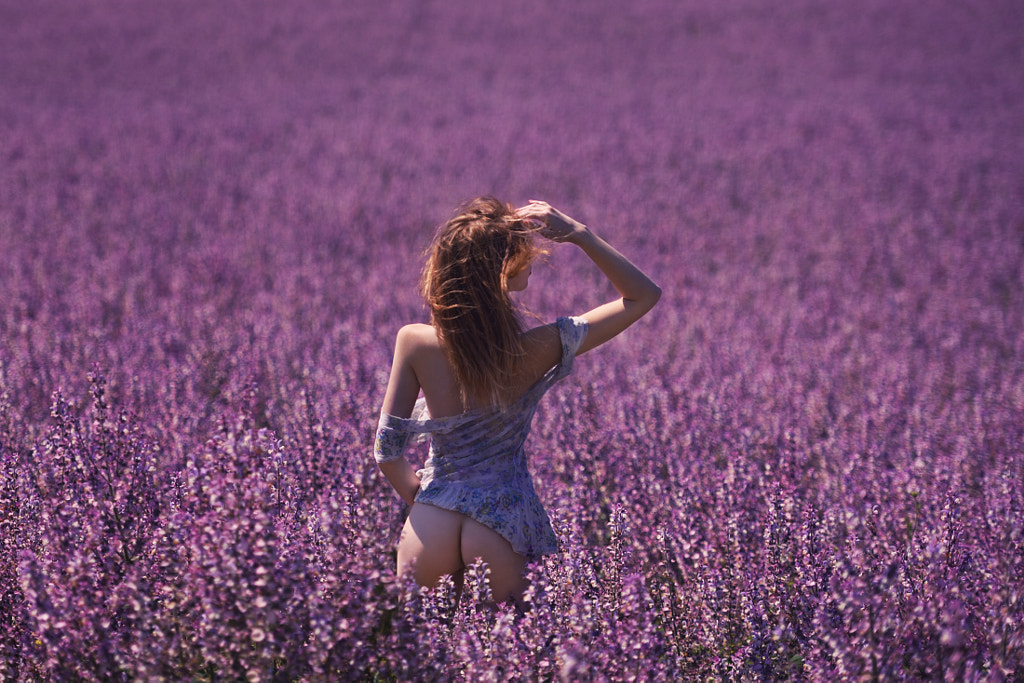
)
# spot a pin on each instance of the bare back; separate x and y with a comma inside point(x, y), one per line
point(435, 377)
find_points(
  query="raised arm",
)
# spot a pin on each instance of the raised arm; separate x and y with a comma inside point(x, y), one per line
point(638, 293)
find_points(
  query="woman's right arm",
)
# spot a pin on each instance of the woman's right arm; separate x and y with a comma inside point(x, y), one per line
point(637, 291)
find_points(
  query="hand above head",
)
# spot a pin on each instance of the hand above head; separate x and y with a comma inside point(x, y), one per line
point(637, 291)
point(554, 224)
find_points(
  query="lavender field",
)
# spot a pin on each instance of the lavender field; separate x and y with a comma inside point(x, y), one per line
point(804, 464)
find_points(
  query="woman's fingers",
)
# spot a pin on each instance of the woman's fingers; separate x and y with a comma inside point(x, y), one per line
point(553, 224)
point(535, 209)
point(530, 215)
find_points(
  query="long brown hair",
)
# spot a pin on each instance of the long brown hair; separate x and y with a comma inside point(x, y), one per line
point(465, 284)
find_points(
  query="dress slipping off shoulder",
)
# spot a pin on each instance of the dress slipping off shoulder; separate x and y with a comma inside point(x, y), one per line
point(477, 463)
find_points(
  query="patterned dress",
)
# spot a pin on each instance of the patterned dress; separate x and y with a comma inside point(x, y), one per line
point(477, 463)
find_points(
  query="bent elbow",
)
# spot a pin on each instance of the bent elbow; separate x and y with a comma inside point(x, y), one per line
point(653, 296)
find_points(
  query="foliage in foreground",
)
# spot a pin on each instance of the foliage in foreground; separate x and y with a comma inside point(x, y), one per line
point(805, 464)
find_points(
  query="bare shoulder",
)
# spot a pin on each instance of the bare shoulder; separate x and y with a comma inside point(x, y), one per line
point(543, 346)
point(542, 334)
point(416, 335)
point(417, 340)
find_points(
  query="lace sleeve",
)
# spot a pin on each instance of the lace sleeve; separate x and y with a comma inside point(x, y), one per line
point(572, 330)
point(391, 441)
point(394, 433)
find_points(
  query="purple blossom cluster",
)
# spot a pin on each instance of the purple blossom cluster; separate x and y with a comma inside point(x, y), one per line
point(805, 464)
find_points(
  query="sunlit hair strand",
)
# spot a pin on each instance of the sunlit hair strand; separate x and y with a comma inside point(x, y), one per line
point(465, 285)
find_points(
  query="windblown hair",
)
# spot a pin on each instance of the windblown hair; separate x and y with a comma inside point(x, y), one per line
point(465, 284)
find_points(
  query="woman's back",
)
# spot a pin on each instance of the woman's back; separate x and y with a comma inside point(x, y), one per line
point(477, 465)
point(436, 377)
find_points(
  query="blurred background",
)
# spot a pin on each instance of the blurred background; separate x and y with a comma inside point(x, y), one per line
point(212, 216)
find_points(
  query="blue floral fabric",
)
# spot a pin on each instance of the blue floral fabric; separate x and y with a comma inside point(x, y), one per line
point(391, 440)
point(477, 463)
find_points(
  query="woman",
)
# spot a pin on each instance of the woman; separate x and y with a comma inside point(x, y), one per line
point(481, 375)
